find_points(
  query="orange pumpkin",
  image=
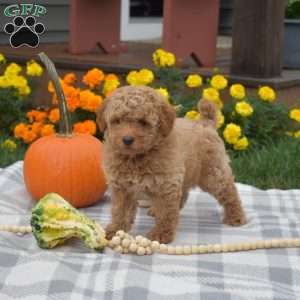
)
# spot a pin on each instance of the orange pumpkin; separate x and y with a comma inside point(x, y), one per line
point(67, 164)
point(70, 167)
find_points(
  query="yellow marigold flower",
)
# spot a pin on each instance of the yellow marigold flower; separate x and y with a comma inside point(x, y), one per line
point(146, 76)
point(211, 94)
point(192, 115)
point(133, 78)
point(19, 130)
point(297, 134)
point(33, 69)
point(237, 91)
point(142, 77)
point(193, 81)
point(162, 58)
point(16, 81)
point(4, 82)
point(109, 86)
point(24, 90)
point(89, 100)
point(241, 144)
point(266, 93)
point(244, 109)
point(9, 144)
point(231, 133)
point(218, 82)
point(220, 119)
point(168, 59)
point(69, 79)
point(2, 59)
point(47, 129)
point(164, 92)
point(93, 77)
point(54, 115)
point(295, 114)
point(219, 103)
point(12, 69)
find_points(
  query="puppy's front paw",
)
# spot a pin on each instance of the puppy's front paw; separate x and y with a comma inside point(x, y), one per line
point(111, 230)
point(164, 236)
point(234, 214)
point(237, 220)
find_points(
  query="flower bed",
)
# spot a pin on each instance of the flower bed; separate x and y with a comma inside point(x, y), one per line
point(245, 122)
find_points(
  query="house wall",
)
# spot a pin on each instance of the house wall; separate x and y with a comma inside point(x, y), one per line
point(56, 22)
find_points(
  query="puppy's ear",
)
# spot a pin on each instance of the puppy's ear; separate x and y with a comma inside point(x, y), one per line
point(100, 113)
point(166, 118)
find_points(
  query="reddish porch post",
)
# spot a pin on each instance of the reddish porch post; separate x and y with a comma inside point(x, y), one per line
point(190, 28)
point(95, 22)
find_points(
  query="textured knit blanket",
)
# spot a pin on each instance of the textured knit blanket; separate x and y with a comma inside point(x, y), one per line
point(74, 272)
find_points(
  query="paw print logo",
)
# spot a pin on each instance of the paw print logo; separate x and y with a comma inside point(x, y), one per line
point(24, 32)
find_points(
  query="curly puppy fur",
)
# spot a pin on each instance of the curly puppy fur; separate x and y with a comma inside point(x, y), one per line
point(148, 150)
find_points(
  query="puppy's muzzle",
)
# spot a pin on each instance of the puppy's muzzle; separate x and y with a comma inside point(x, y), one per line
point(128, 140)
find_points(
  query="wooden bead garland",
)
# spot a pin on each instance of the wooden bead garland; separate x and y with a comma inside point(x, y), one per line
point(16, 229)
point(124, 243)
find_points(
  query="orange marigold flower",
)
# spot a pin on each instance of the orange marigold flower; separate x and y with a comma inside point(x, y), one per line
point(36, 127)
point(41, 116)
point(78, 127)
point(29, 136)
point(31, 115)
point(73, 103)
point(89, 100)
point(47, 129)
point(69, 78)
point(54, 115)
point(19, 130)
point(88, 126)
point(72, 96)
point(51, 87)
point(36, 116)
point(111, 77)
point(93, 77)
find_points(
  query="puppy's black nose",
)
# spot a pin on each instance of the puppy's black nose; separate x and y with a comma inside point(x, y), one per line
point(128, 140)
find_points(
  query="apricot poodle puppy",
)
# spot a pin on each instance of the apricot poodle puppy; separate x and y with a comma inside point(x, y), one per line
point(146, 149)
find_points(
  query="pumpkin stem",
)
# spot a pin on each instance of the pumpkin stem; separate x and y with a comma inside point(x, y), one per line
point(64, 123)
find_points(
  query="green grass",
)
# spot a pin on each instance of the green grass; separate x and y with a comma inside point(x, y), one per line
point(274, 166)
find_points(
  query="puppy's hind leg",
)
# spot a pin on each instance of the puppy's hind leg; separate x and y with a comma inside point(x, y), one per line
point(220, 184)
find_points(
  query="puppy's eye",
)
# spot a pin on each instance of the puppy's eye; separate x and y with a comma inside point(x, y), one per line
point(116, 121)
point(143, 122)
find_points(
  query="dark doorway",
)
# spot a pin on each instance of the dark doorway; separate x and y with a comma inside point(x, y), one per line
point(146, 8)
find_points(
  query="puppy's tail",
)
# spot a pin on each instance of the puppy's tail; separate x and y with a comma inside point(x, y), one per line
point(208, 112)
